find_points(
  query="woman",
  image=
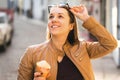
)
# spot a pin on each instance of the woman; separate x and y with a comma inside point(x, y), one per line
point(68, 57)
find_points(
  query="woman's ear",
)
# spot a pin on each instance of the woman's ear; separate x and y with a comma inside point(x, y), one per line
point(71, 26)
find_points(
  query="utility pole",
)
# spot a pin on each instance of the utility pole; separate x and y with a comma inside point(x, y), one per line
point(118, 19)
point(118, 30)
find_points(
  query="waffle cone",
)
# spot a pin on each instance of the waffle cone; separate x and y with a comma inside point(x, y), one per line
point(43, 67)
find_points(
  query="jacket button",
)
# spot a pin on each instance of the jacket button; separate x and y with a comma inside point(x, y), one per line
point(80, 59)
point(77, 54)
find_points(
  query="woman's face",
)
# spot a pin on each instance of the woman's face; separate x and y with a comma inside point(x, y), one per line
point(59, 21)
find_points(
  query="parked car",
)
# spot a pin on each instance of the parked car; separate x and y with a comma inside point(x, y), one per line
point(6, 31)
point(9, 12)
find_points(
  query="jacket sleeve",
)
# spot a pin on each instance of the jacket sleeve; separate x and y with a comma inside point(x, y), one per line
point(25, 70)
point(106, 42)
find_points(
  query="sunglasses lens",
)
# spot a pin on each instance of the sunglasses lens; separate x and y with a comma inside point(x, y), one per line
point(60, 5)
point(64, 5)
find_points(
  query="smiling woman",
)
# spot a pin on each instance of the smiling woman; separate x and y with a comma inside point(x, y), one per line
point(68, 57)
point(59, 23)
point(66, 18)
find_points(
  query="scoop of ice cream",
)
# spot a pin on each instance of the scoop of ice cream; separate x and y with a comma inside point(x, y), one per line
point(43, 64)
point(43, 67)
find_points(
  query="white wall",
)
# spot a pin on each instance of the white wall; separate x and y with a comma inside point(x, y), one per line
point(111, 25)
point(38, 9)
point(27, 4)
point(3, 3)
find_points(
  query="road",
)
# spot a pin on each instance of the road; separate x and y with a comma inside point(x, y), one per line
point(25, 33)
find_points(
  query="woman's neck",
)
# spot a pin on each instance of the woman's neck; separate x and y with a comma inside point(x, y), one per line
point(59, 41)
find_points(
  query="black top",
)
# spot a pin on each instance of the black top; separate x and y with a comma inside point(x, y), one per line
point(68, 71)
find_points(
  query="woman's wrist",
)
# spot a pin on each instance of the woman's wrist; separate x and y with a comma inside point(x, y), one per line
point(86, 18)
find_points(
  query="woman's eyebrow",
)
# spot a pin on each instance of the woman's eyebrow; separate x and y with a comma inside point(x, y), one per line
point(57, 13)
point(61, 13)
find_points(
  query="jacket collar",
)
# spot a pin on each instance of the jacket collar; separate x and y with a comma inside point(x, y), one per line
point(67, 48)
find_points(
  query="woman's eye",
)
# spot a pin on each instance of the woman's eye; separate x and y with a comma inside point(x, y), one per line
point(50, 17)
point(60, 16)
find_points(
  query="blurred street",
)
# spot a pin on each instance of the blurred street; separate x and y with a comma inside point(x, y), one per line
point(105, 68)
point(28, 32)
point(25, 33)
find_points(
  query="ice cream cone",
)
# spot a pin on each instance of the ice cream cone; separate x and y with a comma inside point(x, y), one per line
point(43, 67)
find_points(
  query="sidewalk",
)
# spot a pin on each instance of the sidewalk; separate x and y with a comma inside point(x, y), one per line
point(31, 21)
point(105, 68)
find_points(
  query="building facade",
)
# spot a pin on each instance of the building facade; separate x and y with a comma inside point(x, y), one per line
point(36, 9)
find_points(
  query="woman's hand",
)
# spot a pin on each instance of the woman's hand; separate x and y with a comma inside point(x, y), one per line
point(37, 76)
point(80, 12)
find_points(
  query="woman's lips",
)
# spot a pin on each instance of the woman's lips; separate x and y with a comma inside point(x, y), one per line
point(54, 26)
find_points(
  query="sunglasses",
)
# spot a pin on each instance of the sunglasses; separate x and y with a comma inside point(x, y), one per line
point(62, 5)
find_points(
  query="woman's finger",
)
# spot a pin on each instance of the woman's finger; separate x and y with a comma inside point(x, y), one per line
point(77, 9)
point(37, 74)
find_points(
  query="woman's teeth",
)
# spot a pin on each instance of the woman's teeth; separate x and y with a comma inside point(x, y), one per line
point(54, 26)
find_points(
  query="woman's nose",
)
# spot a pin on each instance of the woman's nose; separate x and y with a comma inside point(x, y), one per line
point(54, 19)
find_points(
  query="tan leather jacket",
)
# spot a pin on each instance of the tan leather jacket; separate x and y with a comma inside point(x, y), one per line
point(80, 54)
